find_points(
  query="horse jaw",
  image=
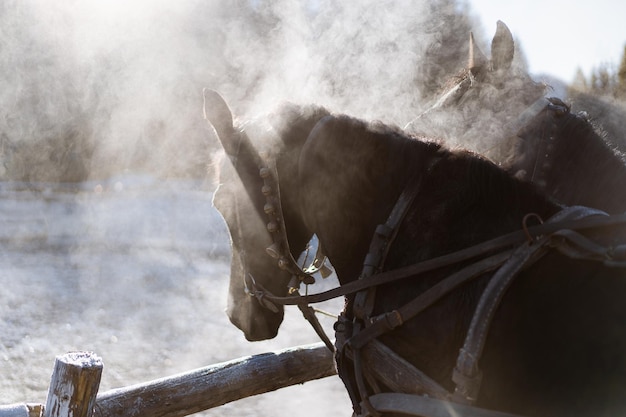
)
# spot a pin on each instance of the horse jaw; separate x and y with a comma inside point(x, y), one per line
point(245, 311)
point(248, 237)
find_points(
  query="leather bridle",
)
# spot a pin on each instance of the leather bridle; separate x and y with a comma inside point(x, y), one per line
point(280, 251)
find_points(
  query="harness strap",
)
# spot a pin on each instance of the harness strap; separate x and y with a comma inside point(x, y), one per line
point(507, 241)
point(467, 374)
point(309, 314)
point(389, 321)
point(577, 246)
point(381, 243)
point(363, 304)
point(407, 404)
point(510, 263)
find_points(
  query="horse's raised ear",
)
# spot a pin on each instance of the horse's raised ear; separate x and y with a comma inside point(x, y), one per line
point(217, 112)
point(477, 58)
point(502, 47)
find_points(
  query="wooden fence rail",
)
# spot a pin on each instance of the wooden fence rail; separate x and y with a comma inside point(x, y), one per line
point(182, 394)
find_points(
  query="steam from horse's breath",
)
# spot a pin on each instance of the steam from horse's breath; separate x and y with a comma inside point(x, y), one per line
point(119, 83)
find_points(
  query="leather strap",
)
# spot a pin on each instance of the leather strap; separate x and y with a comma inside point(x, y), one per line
point(415, 405)
point(389, 321)
point(379, 247)
point(467, 374)
point(614, 257)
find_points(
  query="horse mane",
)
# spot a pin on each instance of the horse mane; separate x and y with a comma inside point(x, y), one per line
point(479, 199)
point(596, 139)
point(293, 122)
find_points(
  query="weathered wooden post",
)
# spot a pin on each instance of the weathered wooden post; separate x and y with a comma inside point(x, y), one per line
point(74, 385)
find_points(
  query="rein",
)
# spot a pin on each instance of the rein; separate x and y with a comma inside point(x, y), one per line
point(499, 243)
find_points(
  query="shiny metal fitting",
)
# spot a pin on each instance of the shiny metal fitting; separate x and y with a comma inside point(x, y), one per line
point(269, 208)
point(273, 251)
point(264, 172)
point(283, 263)
point(272, 227)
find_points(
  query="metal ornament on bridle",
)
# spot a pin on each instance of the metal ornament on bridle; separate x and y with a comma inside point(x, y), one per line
point(279, 249)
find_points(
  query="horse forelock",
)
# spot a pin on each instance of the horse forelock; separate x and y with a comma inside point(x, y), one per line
point(293, 123)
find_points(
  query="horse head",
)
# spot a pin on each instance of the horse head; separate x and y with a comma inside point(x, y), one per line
point(254, 151)
point(478, 108)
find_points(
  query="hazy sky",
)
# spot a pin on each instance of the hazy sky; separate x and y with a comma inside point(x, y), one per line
point(559, 36)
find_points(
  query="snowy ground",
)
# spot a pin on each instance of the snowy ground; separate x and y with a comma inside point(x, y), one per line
point(135, 270)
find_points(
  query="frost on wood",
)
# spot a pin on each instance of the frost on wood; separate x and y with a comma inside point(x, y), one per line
point(20, 410)
point(74, 385)
point(205, 388)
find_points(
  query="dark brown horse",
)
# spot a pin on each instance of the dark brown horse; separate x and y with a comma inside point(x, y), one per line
point(557, 343)
point(567, 157)
point(497, 110)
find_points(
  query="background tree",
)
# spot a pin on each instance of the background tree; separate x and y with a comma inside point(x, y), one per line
point(580, 82)
point(621, 76)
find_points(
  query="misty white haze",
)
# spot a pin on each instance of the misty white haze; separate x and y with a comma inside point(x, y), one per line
point(108, 240)
point(91, 88)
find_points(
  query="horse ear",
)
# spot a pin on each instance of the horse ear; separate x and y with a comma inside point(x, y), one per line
point(502, 47)
point(477, 58)
point(218, 114)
